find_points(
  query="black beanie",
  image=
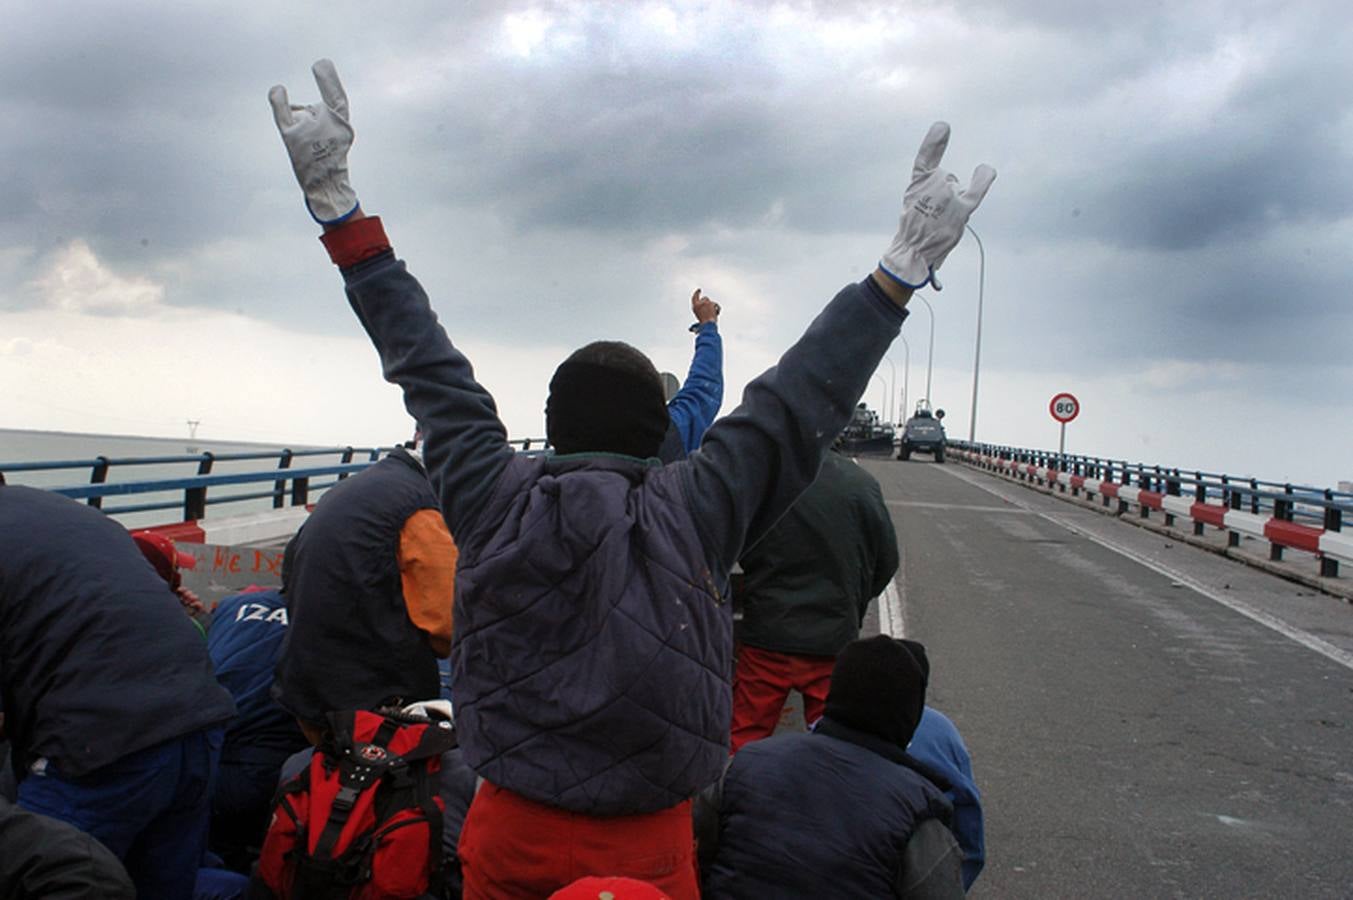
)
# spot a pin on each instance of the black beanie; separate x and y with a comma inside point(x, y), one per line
point(917, 650)
point(595, 406)
point(878, 687)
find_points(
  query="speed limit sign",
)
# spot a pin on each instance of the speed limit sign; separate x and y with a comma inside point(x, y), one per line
point(1064, 407)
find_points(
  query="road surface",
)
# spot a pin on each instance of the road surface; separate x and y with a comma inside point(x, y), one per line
point(1132, 733)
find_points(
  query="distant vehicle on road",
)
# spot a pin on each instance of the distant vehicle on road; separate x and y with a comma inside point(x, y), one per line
point(867, 433)
point(923, 433)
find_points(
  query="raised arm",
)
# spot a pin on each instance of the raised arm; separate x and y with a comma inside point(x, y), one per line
point(756, 461)
point(466, 446)
point(694, 407)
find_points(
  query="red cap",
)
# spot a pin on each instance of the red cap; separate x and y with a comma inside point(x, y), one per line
point(613, 888)
point(163, 555)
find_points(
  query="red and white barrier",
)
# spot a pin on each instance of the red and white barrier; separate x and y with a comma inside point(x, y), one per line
point(1334, 544)
point(251, 529)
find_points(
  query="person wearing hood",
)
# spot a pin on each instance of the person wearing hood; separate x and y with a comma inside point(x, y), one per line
point(804, 592)
point(108, 692)
point(244, 642)
point(842, 811)
point(593, 641)
point(369, 582)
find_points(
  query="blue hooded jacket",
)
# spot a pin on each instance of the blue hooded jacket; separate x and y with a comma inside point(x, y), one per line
point(938, 743)
point(244, 642)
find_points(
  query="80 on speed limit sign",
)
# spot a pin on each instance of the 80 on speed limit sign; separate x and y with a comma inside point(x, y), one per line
point(1064, 407)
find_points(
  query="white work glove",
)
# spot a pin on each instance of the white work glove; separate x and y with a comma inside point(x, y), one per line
point(934, 212)
point(431, 709)
point(318, 138)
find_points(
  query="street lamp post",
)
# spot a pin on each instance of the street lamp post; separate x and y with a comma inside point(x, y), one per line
point(892, 386)
point(906, 378)
point(930, 354)
point(883, 390)
point(977, 353)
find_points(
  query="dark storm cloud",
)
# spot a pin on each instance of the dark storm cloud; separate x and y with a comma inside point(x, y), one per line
point(1268, 159)
point(1140, 230)
point(616, 139)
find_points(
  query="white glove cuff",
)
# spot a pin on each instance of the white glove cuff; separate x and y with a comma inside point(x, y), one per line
point(908, 270)
point(332, 210)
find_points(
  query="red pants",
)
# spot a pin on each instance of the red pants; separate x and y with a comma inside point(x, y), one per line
point(761, 685)
point(511, 847)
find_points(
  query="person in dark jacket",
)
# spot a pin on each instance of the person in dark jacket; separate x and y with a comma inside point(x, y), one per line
point(805, 588)
point(842, 811)
point(43, 859)
point(369, 581)
point(109, 697)
point(9, 786)
point(244, 642)
point(693, 407)
point(593, 637)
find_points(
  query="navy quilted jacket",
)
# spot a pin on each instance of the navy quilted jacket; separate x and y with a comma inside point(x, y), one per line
point(807, 815)
point(593, 641)
point(97, 659)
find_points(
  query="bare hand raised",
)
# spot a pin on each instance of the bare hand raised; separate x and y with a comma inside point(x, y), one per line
point(705, 309)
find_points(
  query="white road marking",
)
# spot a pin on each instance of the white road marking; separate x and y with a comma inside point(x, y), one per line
point(1304, 638)
point(892, 612)
point(892, 603)
point(965, 507)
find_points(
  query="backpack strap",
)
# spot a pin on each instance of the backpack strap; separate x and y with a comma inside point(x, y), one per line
point(297, 784)
point(356, 772)
point(428, 804)
point(437, 738)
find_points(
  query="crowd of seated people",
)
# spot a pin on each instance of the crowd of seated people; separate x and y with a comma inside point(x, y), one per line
point(296, 741)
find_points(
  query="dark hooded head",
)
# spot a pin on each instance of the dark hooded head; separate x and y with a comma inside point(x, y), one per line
point(606, 397)
point(878, 687)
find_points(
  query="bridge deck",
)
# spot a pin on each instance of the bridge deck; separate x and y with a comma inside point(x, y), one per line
point(1132, 733)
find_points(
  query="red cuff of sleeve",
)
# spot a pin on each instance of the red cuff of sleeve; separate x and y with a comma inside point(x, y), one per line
point(355, 241)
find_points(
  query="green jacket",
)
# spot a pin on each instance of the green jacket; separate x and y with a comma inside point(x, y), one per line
point(808, 582)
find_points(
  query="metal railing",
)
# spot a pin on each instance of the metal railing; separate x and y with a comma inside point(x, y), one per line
point(1311, 508)
point(193, 495)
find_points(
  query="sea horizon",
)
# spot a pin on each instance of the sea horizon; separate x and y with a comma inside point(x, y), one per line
point(77, 453)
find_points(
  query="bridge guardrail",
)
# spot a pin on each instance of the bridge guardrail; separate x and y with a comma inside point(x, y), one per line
point(290, 485)
point(1287, 515)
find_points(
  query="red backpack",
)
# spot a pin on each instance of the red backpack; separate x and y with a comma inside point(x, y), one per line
point(363, 821)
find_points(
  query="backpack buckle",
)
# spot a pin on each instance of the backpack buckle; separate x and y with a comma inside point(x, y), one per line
point(346, 797)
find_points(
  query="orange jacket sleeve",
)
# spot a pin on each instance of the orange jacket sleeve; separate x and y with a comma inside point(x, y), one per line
point(427, 569)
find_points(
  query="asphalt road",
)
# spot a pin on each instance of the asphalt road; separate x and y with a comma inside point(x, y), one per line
point(1132, 735)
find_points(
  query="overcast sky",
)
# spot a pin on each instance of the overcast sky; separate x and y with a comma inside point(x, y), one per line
point(1169, 235)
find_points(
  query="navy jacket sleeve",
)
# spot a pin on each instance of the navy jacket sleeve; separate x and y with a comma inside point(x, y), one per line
point(694, 407)
point(467, 445)
point(756, 461)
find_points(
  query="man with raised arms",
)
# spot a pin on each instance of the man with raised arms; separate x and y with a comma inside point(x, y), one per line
point(593, 642)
